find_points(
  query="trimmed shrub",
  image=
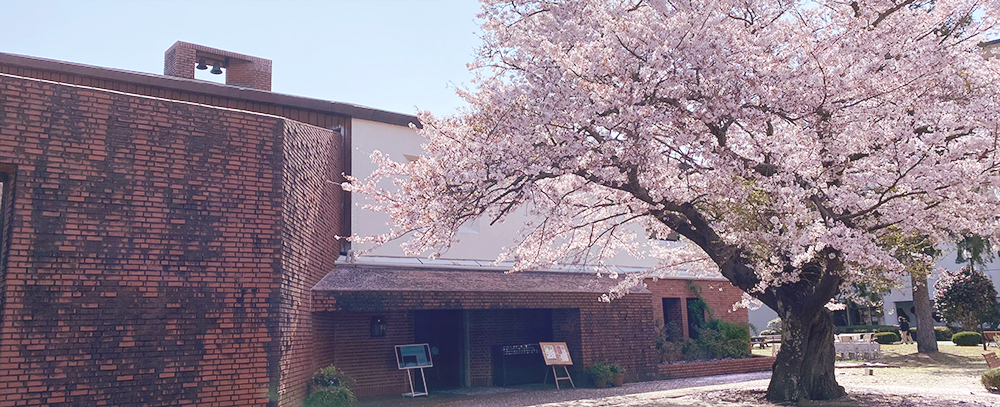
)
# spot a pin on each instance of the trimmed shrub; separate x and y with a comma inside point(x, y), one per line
point(967, 338)
point(991, 379)
point(886, 337)
point(331, 396)
point(330, 387)
point(942, 333)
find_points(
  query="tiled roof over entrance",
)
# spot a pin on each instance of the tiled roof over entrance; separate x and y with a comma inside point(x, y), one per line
point(369, 278)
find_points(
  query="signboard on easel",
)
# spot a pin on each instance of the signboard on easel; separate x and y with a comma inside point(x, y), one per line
point(557, 354)
point(414, 356)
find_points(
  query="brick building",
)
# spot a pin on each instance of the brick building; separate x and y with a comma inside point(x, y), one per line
point(170, 241)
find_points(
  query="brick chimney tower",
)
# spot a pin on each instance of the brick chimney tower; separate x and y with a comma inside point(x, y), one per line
point(181, 59)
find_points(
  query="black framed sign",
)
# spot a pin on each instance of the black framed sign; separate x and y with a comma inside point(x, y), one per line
point(414, 356)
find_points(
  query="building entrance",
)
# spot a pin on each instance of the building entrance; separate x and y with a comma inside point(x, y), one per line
point(444, 331)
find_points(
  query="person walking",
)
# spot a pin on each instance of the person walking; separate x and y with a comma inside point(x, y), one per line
point(904, 330)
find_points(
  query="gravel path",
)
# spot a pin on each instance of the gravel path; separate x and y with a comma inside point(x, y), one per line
point(887, 387)
point(535, 395)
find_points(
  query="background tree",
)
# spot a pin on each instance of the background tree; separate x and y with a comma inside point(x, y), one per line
point(966, 297)
point(973, 251)
point(781, 139)
point(917, 254)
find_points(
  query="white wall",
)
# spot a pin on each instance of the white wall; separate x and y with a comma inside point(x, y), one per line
point(477, 241)
point(905, 293)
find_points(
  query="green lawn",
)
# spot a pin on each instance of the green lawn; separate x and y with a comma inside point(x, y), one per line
point(956, 359)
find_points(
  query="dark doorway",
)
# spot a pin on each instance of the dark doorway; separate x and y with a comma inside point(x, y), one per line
point(673, 319)
point(443, 331)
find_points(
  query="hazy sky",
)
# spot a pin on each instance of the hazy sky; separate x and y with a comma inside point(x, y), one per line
point(396, 55)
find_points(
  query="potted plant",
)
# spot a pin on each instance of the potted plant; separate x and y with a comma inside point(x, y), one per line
point(601, 373)
point(618, 375)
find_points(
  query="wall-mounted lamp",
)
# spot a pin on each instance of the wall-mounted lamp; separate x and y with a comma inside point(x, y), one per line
point(378, 326)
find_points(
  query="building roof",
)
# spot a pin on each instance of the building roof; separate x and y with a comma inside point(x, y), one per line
point(352, 277)
point(209, 88)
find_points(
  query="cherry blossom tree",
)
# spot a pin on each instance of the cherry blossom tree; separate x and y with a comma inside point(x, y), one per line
point(780, 138)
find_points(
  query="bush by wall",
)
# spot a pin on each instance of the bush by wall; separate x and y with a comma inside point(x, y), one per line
point(330, 387)
point(991, 379)
point(942, 333)
point(886, 337)
point(718, 339)
point(967, 338)
point(713, 339)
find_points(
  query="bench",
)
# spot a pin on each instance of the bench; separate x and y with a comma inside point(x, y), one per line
point(764, 340)
point(991, 360)
point(990, 337)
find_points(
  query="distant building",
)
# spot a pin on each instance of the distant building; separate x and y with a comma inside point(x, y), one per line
point(170, 241)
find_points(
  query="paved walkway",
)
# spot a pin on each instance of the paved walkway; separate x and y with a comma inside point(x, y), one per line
point(632, 394)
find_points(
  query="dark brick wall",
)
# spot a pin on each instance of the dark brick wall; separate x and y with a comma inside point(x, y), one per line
point(716, 367)
point(146, 248)
point(319, 118)
point(622, 332)
point(310, 220)
point(343, 339)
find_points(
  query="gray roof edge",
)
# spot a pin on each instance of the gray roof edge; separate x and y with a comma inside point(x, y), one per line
point(324, 285)
point(210, 88)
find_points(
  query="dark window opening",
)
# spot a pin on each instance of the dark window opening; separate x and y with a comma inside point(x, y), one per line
point(6, 208)
point(673, 320)
point(6, 224)
point(696, 316)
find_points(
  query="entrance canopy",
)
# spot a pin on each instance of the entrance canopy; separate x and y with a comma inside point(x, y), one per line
point(383, 278)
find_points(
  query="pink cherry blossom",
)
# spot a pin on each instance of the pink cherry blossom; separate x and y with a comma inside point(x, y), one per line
point(782, 139)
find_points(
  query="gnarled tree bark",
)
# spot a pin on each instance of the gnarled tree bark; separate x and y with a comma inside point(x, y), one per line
point(804, 368)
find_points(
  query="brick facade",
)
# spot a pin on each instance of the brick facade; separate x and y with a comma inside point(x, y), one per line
point(716, 367)
point(720, 295)
point(310, 220)
point(343, 340)
point(621, 332)
point(146, 244)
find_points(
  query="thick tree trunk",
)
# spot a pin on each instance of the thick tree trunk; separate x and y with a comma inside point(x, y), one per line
point(926, 341)
point(804, 366)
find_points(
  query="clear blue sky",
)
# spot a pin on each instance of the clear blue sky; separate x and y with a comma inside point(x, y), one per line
point(396, 55)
